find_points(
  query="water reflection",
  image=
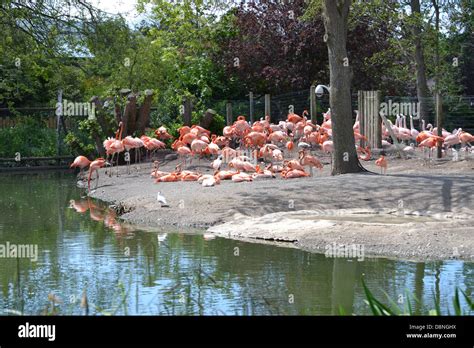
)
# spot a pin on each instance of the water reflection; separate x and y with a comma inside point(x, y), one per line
point(99, 212)
point(84, 248)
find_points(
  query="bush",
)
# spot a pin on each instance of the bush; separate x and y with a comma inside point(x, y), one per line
point(30, 137)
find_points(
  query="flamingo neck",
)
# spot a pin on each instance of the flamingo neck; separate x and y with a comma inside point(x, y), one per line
point(121, 130)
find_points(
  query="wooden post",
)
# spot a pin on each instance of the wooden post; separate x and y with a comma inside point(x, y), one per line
point(251, 112)
point(361, 110)
point(369, 122)
point(187, 115)
point(268, 110)
point(439, 122)
point(58, 122)
point(377, 135)
point(313, 107)
point(228, 110)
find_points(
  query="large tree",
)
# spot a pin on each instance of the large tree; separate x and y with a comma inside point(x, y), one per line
point(277, 46)
point(38, 49)
point(421, 84)
point(335, 15)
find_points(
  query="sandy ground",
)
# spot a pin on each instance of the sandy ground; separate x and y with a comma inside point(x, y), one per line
point(420, 210)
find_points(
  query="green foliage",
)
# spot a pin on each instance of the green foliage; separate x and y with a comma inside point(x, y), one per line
point(80, 144)
point(378, 308)
point(30, 137)
point(180, 51)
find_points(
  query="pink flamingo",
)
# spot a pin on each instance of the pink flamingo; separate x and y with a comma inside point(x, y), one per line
point(184, 152)
point(94, 167)
point(311, 161)
point(131, 143)
point(414, 133)
point(116, 147)
point(80, 162)
point(328, 147)
point(382, 163)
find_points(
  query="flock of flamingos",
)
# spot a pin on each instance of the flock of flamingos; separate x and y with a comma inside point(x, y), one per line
point(247, 152)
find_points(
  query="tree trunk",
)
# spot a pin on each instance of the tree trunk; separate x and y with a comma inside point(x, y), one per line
point(188, 107)
point(118, 113)
point(100, 116)
point(345, 160)
point(143, 119)
point(207, 119)
point(438, 103)
point(98, 144)
point(129, 115)
point(421, 85)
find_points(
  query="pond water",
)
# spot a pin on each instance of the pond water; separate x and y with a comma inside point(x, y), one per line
point(126, 271)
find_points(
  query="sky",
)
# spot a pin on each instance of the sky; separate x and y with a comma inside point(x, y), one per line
point(127, 8)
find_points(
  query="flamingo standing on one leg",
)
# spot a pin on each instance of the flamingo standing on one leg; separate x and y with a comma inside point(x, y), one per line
point(382, 163)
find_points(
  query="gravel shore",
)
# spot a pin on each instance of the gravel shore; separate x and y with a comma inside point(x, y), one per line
point(419, 210)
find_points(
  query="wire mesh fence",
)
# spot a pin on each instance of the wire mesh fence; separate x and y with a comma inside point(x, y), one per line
point(458, 112)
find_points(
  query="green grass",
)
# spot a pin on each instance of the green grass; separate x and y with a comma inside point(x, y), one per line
point(378, 308)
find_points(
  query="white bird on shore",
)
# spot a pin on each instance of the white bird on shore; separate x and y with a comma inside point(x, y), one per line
point(209, 181)
point(160, 198)
point(216, 164)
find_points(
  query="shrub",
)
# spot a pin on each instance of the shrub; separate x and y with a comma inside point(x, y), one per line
point(30, 137)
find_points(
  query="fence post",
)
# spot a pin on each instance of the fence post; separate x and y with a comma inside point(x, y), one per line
point(361, 110)
point(369, 122)
point(377, 140)
point(313, 107)
point(228, 111)
point(439, 122)
point(187, 111)
point(58, 122)
point(251, 115)
point(268, 105)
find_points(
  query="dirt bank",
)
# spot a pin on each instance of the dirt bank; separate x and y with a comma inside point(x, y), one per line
point(411, 187)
